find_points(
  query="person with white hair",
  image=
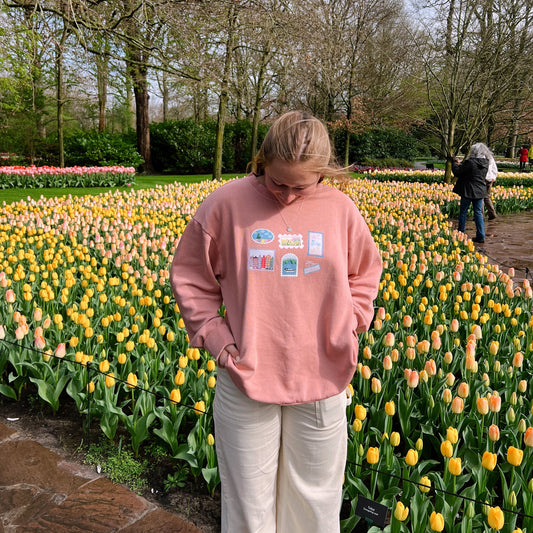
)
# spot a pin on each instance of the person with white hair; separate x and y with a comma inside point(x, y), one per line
point(471, 186)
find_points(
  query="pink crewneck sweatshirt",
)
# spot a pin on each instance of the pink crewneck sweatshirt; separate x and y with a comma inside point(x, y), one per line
point(295, 298)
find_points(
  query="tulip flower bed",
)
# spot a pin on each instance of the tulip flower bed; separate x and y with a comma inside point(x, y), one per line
point(43, 177)
point(506, 179)
point(441, 422)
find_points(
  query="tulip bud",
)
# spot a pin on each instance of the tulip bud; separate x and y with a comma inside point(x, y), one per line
point(357, 425)
point(511, 416)
point(530, 485)
point(394, 438)
point(470, 511)
point(512, 499)
point(361, 450)
point(419, 444)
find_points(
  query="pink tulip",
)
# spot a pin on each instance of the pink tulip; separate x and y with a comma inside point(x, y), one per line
point(10, 296)
point(39, 342)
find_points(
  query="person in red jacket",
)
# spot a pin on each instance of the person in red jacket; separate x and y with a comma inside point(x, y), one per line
point(297, 269)
point(523, 155)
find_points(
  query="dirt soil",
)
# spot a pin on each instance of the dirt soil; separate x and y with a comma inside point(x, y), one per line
point(508, 242)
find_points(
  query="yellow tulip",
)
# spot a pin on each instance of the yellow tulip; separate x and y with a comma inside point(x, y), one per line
point(90, 387)
point(390, 408)
point(401, 512)
point(199, 408)
point(110, 380)
point(454, 466)
point(446, 448)
point(360, 412)
point(372, 455)
point(104, 366)
point(357, 425)
point(495, 518)
point(131, 381)
point(489, 460)
point(179, 378)
point(175, 396)
point(210, 440)
point(394, 438)
point(452, 435)
point(436, 521)
point(412, 457)
point(514, 456)
point(424, 484)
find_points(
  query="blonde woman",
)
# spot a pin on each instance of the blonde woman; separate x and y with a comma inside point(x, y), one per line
point(295, 264)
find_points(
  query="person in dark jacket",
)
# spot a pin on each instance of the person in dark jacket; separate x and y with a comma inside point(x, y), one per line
point(471, 187)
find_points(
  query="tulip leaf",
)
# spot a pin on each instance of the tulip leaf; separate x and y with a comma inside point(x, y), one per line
point(6, 390)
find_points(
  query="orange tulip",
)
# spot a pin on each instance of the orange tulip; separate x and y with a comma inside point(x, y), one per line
point(458, 405)
point(494, 433)
point(528, 437)
point(495, 402)
point(482, 406)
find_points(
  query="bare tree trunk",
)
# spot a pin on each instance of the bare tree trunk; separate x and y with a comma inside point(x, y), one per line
point(138, 72)
point(102, 75)
point(60, 96)
point(224, 94)
point(257, 105)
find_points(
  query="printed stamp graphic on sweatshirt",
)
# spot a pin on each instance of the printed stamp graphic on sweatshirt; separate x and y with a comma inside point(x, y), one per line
point(261, 260)
point(262, 236)
point(311, 267)
point(291, 240)
point(315, 244)
point(289, 265)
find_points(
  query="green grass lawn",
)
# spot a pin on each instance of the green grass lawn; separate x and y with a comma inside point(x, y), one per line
point(141, 182)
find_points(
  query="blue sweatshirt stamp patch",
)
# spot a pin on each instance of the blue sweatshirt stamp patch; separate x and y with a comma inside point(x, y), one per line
point(262, 236)
point(289, 265)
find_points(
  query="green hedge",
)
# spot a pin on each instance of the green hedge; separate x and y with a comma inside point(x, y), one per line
point(46, 177)
point(188, 147)
point(94, 148)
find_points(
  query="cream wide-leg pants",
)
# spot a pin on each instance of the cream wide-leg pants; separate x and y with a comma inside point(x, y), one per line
point(281, 467)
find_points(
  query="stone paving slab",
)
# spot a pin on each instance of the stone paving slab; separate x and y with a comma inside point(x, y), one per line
point(39, 492)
